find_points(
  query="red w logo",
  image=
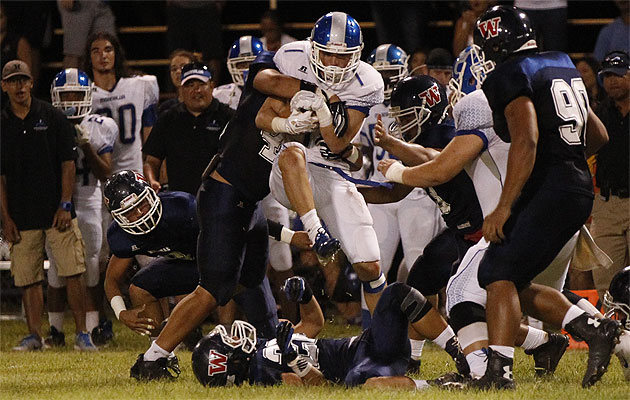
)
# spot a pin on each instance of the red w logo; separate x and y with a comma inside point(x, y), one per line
point(431, 95)
point(489, 28)
point(217, 363)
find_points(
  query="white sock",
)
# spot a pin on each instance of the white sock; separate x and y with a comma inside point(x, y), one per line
point(155, 352)
point(311, 223)
point(572, 313)
point(535, 337)
point(91, 320)
point(416, 348)
point(506, 351)
point(446, 334)
point(56, 319)
point(589, 308)
point(478, 362)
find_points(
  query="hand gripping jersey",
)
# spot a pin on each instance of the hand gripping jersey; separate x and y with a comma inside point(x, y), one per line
point(555, 87)
point(103, 134)
point(131, 103)
point(361, 93)
point(175, 236)
point(473, 116)
point(229, 94)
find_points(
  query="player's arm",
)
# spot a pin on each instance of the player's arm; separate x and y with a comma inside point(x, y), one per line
point(298, 290)
point(314, 377)
point(383, 195)
point(114, 279)
point(100, 164)
point(151, 168)
point(302, 368)
point(523, 127)
point(272, 108)
point(274, 83)
point(408, 153)
point(283, 234)
point(596, 134)
point(390, 382)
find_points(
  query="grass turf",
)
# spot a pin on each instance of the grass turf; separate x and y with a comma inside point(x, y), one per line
point(68, 374)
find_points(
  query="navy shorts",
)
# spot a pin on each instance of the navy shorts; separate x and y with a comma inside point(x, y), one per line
point(233, 240)
point(165, 277)
point(540, 225)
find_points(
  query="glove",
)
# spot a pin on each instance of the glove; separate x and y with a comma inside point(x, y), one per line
point(284, 332)
point(83, 136)
point(301, 122)
point(325, 152)
point(297, 290)
point(305, 100)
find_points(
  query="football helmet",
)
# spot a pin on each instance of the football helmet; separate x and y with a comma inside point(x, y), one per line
point(243, 51)
point(504, 30)
point(468, 75)
point(222, 359)
point(617, 297)
point(72, 80)
point(391, 61)
point(338, 33)
point(132, 202)
point(417, 102)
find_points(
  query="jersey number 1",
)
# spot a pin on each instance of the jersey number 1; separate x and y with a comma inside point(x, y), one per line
point(571, 106)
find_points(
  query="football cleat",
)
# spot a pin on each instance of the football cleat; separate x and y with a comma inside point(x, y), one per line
point(55, 339)
point(451, 380)
point(622, 351)
point(547, 355)
point(601, 335)
point(83, 342)
point(456, 353)
point(30, 343)
point(498, 373)
point(162, 368)
point(103, 333)
point(325, 246)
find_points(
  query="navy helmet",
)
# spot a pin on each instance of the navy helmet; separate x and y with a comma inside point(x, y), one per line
point(617, 297)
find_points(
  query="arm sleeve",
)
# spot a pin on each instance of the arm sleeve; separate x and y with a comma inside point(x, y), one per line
point(503, 86)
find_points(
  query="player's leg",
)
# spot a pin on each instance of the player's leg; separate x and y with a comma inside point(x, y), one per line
point(56, 299)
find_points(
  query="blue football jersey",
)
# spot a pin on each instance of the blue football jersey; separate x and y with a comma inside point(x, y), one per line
point(175, 236)
point(559, 96)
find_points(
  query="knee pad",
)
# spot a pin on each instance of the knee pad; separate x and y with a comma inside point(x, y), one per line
point(466, 313)
point(412, 303)
point(92, 271)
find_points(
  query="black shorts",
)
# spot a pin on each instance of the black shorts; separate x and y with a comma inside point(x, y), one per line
point(167, 277)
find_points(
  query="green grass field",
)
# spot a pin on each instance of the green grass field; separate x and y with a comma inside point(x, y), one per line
point(68, 374)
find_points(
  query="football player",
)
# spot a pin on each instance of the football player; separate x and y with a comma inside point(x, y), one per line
point(311, 178)
point(539, 104)
point(377, 357)
point(71, 92)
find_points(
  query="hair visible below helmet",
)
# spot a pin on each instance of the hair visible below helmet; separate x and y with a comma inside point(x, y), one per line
point(243, 51)
point(504, 30)
point(222, 359)
point(468, 73)
point(391, 61)
point(617, 297)
point(124, 192)
point(421, 97)
point(338, 33)
point(67, 81)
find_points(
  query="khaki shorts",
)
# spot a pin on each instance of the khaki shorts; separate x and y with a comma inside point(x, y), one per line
point(27, 256)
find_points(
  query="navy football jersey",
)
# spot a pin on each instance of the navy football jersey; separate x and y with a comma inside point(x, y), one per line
point(559, 96)
point(333, 357)
point(175, 236)
point(457, 198)
point(245, 163)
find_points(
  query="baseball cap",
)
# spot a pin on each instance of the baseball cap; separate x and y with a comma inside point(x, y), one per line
point(616, 62)
point(16, 68)
point(439, 58)
point(195, 70)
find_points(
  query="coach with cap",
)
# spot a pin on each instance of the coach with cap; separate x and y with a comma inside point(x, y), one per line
point(611, 210)
point(187, 136)
point(37, 177)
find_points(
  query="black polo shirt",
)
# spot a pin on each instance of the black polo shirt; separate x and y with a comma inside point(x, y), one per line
point(187, 143)
point(32, 152)
point(612, 158)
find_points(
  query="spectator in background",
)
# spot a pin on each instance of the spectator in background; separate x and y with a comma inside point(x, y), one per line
point(196, 26)
point(588, 67)
point(187, 136)
point(176, 61)
point(611, 210)
point(616, 35)
point(418, 62)
point(550, 22)
point(14, 46)
point(440, 65)
point(271, 27)
point(37, 177)
point(79, 19)
point(463, 34)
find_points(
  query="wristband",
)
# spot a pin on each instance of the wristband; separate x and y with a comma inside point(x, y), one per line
point(354, 155)
point(118, 305)
point(66, 205)
point(279, 125)
point(286, 235)
point(395, 172)
point(311, 87)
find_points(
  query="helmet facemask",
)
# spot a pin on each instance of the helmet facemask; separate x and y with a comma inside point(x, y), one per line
point(131, 204)
point(468, 74)
point(392, 74)
point(72, 109)
point(618, 309)
point(334, 75)
point(409, 121)
point(239, 67)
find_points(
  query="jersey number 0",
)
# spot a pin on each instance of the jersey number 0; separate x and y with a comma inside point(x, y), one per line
point(571, 106)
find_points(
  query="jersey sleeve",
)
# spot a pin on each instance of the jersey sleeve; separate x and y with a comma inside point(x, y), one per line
point(151, 98)
point(506, 84)
point(117, 243)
